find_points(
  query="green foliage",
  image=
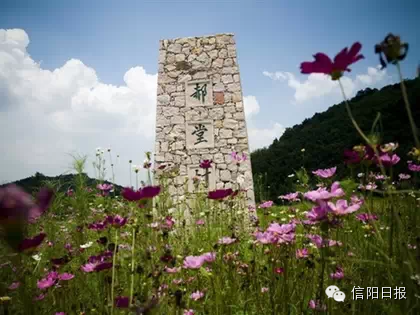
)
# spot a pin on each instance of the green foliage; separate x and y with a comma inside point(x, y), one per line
point(326, 135)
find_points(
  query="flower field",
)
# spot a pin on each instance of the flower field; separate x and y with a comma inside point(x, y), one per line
point(348, 246)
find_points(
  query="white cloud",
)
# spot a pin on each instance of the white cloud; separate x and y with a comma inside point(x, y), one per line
point(259, 137)
point(44, 115)
point(47, 115)
point(317, 85)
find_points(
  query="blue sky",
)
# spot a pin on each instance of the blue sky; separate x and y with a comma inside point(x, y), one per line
point(111, 37)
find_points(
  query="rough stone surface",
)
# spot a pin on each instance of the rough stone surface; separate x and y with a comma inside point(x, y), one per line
point(183, 119)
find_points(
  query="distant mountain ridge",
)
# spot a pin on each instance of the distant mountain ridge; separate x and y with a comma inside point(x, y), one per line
point(325, 136)
point(61, 182)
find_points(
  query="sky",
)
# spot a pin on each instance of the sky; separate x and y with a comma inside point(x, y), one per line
point(78, 75)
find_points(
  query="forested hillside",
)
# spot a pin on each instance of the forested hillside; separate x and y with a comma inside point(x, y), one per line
point(325, 136)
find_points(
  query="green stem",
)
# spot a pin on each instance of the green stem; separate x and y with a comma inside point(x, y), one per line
point(407, 107)
point(132, 266)
point(114, 259)
point(359, 130)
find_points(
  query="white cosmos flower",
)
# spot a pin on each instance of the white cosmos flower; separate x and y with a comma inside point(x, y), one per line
point(291, 175)
point(37, 257)
point(87, 245)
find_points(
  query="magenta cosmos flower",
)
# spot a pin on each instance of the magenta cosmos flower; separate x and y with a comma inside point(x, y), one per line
point(413, 167)
point(122, 301)
point(193, 262)
point(388, 160)
point(31, 243)
point(116, 221)
point(238, 158)
point(341, 63)
point(147, 192)
point(338, 274)
point(206, 164)
point(325, 173)
point(16, 205)
point(220, 194)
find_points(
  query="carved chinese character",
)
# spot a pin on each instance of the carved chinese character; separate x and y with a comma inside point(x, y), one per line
point(200, 92)
point(199, 131)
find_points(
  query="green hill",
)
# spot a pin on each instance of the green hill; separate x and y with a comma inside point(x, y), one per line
point(61, 182)
point(325, 136)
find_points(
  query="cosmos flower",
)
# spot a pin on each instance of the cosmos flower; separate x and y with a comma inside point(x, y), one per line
point(266, 204)
point(302, 253)
point(31, 243)
point(226, 240)
point(392, 48)
point(341, 207)
point(322, 194)
point(206, 164)
point(197, 295)
point(338, 274)
point(220, 194)
point(290, 197)
point(122, 301)
point(341, 63)
point(193, 262)
point(116, 221)
point(325, 173)
point(147, 192)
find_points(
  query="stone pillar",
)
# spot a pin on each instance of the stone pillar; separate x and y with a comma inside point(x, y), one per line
point(200, 113)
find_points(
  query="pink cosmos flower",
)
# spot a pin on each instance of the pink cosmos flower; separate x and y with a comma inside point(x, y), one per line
point(302, 253)
point(189, 312)
point(338, 274)
point(193, 262)
point(322, 194)
point(266, 204)
point(389, 160)
point(342, 208)
point(60, 313)
point(341, 63)
point(47, 282)
point(172, 270)
point(316, 305)
point(39, 297)
point(65, 276)
point(279, 270)
point(169, 222)
point(318, 213)
point(413, 167)
point(237, 157)
point(200, 222)
point(264, 289)
point(197, 295)
point(366, 217)
point(105, 188)
point(265, 237)
point(14, 286)
point(290, 197)
point(209, 257)
point(227, 240)
point(325, 173)
point(404, 176)
point(177, 281)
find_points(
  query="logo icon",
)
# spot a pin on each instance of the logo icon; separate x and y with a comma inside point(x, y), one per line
point(334, 292)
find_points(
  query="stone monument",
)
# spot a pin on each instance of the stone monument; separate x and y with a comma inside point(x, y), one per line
point(200, 113)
